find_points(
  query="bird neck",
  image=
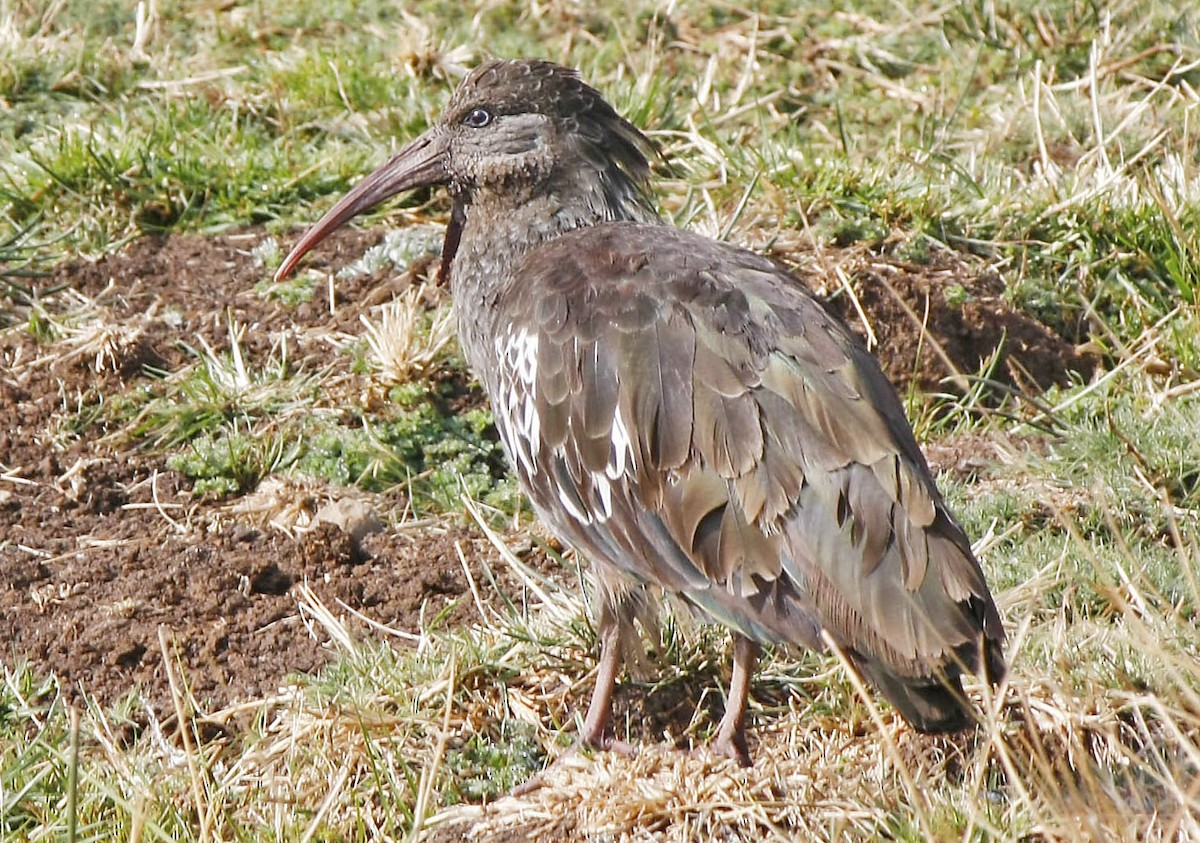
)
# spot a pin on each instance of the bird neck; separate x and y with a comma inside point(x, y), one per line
point(496, 230)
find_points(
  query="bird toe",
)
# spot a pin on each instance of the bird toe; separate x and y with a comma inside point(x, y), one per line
point(733, 748)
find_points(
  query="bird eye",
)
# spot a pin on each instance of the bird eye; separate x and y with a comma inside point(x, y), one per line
point(477, 118)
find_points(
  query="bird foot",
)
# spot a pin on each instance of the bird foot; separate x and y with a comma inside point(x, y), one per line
point(538, 779)
point(611, 744)
point(733, 747)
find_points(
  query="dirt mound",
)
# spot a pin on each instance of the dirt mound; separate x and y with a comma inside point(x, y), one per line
point(944, 319)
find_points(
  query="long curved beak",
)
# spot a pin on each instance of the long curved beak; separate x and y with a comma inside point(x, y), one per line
point(420, 164)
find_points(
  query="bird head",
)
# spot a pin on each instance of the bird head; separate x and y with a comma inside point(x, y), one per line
point(512, 130)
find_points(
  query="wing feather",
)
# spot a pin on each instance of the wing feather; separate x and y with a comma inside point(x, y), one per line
point(660, 389)
point(598, 405)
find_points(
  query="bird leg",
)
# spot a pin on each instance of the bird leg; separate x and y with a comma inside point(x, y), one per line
point(595, 724)
point(731, 734)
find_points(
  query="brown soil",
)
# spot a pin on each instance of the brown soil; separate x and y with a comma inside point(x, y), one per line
point(101, 545)
point(937, 324)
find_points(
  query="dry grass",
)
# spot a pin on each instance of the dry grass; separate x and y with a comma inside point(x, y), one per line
point(406, 341)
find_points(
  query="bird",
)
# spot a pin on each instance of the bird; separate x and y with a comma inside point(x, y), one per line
point(683, 412)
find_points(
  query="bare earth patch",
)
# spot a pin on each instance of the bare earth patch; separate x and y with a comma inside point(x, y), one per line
point(101, 544)
point(937, 322)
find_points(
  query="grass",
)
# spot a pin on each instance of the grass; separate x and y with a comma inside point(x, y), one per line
point(1053, 144)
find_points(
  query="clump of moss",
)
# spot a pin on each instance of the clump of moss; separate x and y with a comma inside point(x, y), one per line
point(436, 453)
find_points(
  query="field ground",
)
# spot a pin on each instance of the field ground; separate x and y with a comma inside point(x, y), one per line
point(263, 575)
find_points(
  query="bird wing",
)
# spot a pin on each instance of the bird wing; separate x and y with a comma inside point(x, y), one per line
point(686, 412)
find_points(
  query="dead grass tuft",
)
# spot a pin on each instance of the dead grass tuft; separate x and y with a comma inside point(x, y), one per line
point(407, 339)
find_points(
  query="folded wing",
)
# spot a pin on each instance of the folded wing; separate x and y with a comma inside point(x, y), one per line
point(719, 434)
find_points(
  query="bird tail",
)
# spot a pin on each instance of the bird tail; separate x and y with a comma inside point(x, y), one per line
point(929, 704)
point(934, 704)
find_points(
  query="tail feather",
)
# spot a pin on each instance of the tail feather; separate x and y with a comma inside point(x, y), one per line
point(935, 702)
point(929, 704)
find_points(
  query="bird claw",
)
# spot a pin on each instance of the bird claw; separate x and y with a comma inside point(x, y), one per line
point(733, 748)
point(620, 747)
point(535, 781)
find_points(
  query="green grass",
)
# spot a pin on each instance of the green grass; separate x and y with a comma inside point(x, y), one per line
point(1051, 143)
point(226, 425)
point(1104, 660)
point(435, 456)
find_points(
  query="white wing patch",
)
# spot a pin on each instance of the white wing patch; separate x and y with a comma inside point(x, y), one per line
point(520, 428)
point(620, 460)
point(622, 449)
point(517, 351)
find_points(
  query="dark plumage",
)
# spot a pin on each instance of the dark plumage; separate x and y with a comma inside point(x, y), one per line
point(682, 411)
